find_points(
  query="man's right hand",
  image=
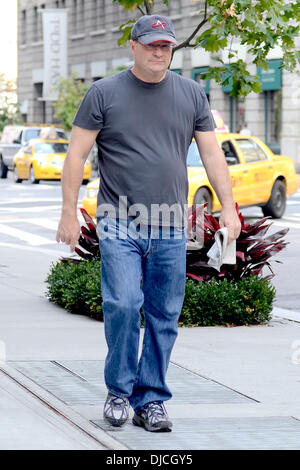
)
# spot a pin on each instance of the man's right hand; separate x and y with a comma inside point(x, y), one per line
point(68, 230)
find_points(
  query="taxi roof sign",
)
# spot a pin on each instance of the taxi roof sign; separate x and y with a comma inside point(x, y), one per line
point(221, 126)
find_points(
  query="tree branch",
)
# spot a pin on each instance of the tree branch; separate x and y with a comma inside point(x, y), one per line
point(186, 43)
point(141, 10)
point(149, 7)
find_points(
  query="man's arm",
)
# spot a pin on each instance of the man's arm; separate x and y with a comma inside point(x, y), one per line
point(218, 174)
point(81, 143)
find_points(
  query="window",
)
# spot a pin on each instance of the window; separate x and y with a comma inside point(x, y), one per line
point(47, 147)
point(236, 113)
point(120, 15)
point(24, 27)
point(28, 150)
point(176, 7)
point(35, 24)
point(193, 156)
point(252, 152)
point(230, 153)
point(31, 134)
point(197, 76)
point(98, 12)
point(81, 18)
point(101, 16)
point(273, 115)
point(74, 17)
point(78, 16)
point(95, 13)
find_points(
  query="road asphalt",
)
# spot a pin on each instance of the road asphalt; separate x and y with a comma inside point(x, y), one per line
point(233, 388)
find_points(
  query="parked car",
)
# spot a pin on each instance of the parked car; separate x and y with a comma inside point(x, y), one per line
point(43, 159)
point(15, 137)
point(258, 176)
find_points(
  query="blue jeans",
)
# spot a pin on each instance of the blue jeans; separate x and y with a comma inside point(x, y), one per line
point(146, 271)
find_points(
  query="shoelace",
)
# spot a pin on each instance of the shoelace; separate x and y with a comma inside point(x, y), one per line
point(117, 403)
point(155, 410)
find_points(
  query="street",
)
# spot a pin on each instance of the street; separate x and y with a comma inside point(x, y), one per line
point(29, 216)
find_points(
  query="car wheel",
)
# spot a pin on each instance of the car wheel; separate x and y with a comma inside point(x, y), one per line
point(275, 207)
point(3, 169)
point(16, 176)
point(202, 196)
point(32, 177)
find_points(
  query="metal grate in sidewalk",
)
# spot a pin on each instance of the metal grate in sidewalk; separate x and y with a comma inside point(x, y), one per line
point(82, 383)
point(251, 433)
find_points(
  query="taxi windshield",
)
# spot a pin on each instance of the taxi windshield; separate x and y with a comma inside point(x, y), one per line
point(193, 156)
point(31, 134)
point(51, 147)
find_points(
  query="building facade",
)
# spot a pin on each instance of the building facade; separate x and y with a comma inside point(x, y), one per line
point(93, 52)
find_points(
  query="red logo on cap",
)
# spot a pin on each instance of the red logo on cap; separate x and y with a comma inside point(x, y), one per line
point(159, 24)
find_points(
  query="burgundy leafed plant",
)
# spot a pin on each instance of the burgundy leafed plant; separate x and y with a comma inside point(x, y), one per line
point(253, 248)
point(88, 241)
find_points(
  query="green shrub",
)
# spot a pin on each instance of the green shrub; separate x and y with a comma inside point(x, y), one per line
point(76, 287)
point(223, 302)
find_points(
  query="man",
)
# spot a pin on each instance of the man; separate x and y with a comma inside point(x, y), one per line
point(143, 121)
point(244, 130)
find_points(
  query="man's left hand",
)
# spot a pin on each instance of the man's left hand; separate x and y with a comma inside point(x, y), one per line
point(230, 219)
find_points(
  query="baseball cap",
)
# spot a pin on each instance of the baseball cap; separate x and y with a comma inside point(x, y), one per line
point(151, 28)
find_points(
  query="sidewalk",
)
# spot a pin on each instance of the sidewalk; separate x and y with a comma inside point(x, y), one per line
point(233, 388)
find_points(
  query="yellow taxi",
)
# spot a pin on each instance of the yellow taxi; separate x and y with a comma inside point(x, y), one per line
point(43, 159)
point(258, 176)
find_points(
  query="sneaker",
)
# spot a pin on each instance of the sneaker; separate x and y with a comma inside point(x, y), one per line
point(116, 410)
point(153, 417)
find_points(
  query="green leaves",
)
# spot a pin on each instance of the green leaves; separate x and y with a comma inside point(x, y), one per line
point(259, 25)
point(126, 28)
point(236, 76)
point(77, 288)
point(70, 93)
point(211, 41)
point(248, 301)
point(9, 108)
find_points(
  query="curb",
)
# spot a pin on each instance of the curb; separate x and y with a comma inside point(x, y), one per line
point(63, 410)
point(292, 315)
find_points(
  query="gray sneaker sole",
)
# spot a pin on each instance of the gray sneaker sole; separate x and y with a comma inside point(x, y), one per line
point(115, 422)
point(163, 426)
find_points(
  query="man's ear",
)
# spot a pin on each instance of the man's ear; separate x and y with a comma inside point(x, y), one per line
point(132, 46)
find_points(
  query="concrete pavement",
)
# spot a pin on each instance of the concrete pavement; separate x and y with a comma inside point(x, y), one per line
point(233, 388)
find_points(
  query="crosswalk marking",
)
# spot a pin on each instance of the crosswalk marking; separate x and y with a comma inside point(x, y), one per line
point(30, 238)
point(20, 210)
point(292, 217)
point(293, 203)
point(42, 222)
point(20, 200)
point(286, 224)
point(51, 252)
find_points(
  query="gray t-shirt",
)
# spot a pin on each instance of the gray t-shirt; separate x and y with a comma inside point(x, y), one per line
point(146, 130)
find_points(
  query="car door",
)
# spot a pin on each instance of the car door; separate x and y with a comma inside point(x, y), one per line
point(19, 162)
point(236, 171)
point(257, 170)
point(26, 161)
